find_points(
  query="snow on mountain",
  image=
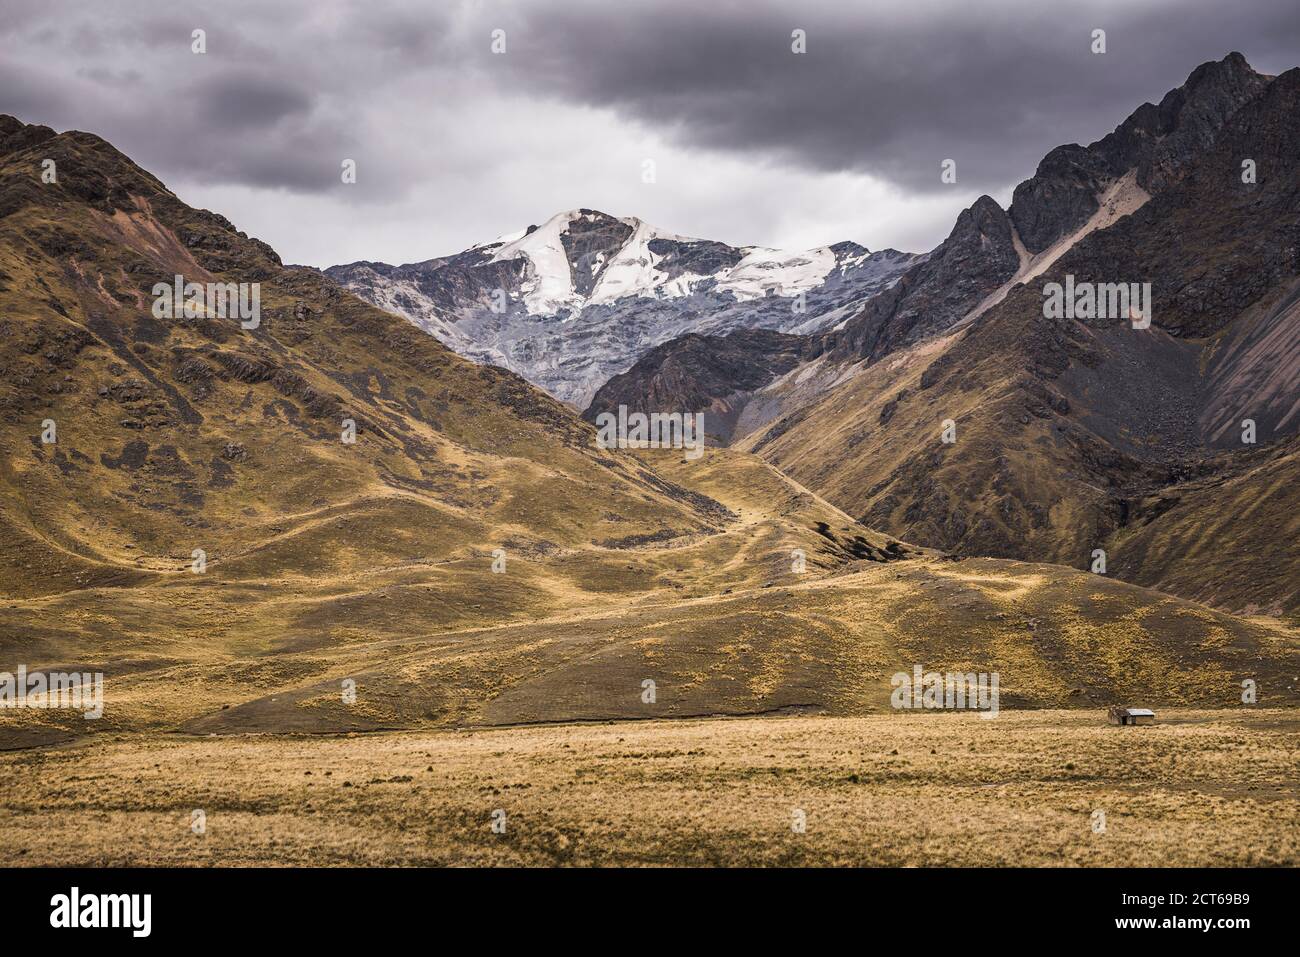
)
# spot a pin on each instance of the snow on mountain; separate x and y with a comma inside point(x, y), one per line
point(549, 287)
point(571, 302)
point(633, 269)
point(772, 272)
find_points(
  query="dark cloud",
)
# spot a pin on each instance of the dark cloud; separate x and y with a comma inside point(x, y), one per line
point(106, 76)
point(249, 103)
point(26, 97)
point(242, 113)
point(755, 144)
point(890, 91)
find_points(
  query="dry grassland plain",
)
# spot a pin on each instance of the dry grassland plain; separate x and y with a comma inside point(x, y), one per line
point(1035, 788)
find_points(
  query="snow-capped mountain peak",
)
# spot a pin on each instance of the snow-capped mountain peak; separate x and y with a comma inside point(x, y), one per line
point(586, 293)
point(627, 263)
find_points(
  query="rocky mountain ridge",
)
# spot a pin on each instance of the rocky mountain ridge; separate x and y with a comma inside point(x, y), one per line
point(578, 299)
point(1073, 433)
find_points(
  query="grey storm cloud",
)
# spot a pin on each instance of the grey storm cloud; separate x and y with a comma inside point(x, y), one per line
point(414, 93)
point(886, 89)
point(250, 102)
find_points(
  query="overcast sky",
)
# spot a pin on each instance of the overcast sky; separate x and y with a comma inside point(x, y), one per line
point(751, 143)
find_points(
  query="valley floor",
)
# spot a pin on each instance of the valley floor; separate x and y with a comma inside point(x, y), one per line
point(1211, 788)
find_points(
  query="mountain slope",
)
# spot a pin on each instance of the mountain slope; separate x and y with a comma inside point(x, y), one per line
point(175, 434)
point(1075, 191)
point(329, 561)
point(1065, 425)
point(710, 374)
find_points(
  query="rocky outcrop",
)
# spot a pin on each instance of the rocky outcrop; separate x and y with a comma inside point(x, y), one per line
point(1159, 142)
point(978, 256)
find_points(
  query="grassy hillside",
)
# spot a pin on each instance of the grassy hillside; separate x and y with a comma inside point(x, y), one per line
point(196, 433)
point(733, 588)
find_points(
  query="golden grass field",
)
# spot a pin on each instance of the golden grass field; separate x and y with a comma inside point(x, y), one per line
point(719, 621)
point(1207, 788)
